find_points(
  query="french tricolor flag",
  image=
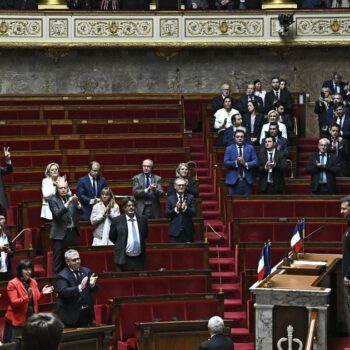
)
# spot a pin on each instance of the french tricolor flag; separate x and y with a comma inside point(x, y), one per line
point(296, 243)
point(261, 265)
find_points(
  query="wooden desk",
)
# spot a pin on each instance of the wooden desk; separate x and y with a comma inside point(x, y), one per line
point(185, 335)
point(91, 338)
point(287, 297)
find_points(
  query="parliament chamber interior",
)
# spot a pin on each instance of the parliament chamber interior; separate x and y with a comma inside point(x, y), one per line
point(135, 80)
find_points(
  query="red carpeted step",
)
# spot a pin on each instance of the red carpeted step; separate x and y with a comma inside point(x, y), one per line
point(211, 214)
point(203, 171)
point(223, 251)
point(226, 277)
point(244, 346)
point(241, 335)
point(233, 304)
point(210, 205)
point(208, 195)
point(238, 317)
point(202, 163)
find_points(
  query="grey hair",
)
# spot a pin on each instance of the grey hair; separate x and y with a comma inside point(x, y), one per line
point(69, 253)
point(216, 325)
point(324, 140)
point(345, 199)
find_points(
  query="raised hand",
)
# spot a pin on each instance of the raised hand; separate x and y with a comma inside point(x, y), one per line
point(7, 153)
point(47, 289)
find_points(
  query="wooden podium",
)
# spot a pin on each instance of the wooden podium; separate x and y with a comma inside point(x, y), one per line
point(295, 289)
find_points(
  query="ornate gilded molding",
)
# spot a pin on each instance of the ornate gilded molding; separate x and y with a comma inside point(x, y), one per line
point(169, 28)
point(102, 28)
point(174, 29)
point(58, 28)
point(325, 26)
point(21, 28)
point(221, 27)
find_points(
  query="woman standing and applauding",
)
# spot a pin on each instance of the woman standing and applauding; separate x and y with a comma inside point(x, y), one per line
point(23, 294)
point(101, 215)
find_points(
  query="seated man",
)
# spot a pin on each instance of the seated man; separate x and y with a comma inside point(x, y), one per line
point(217, 340)
point(272, 168)
point(324, 168)
point(240, 159)
point(181, 208)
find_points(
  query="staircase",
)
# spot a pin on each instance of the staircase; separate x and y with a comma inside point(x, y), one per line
point(306, 146)
point(221, 259)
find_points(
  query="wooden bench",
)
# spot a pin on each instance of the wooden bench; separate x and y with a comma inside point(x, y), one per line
point(69, 142)
point(93, 126)
point(283, 206)
point(126, 311)
point(280, 229)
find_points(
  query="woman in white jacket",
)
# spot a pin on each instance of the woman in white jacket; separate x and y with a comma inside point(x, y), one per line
point(101, 215)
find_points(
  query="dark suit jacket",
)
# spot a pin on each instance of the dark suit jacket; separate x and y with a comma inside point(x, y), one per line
point(242, 105)
point(345, 127)
point(258, 124)
point(60, 217)
point(138, 190)
point(191, 188)
point(332, 169)
point(3, 197)
point(217, 342)
point(118, 234)
point(284, 98)
point(85, 194)
point(329, 84)
point(230, 162)
point(182, 220)
point(281, 145)
point(70, 300)
point(278, 171)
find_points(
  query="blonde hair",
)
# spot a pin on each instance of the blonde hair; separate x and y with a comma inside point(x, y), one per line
point(48, 168)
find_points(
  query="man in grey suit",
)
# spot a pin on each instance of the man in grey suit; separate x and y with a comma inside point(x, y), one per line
point(129, 232)
point(4, 171)
point(64, 232)
point(147, 190)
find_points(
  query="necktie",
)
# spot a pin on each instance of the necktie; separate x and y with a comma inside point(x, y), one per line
point(277, 97)
point(77, 275)
point(136, 249)
point(147, 181)
point(340, 122)
point(323, 176)
point(94, 186)
point(240, 168)
point(269, 175)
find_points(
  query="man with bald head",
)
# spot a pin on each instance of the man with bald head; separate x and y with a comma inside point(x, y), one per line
point(89, 189)
point(147, 190)
point(64, 232)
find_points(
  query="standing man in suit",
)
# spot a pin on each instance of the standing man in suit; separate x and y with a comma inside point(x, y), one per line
point(240, 159)
point(8, 169)
point(324, 168)
point(89, 189)
point(75, 285)
point(64, 232)
point(278, 95)
point(281, 142)
point(336, 85)
point(342, 119)
point(129, 232)
point(250, 97)
point(180, 208)
point(218, 101)
point(272, 167)
point(147, 190)
point(217, 340)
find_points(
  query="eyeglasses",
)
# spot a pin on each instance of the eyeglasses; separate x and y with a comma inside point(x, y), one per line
point(75, 259)
point(181, 185)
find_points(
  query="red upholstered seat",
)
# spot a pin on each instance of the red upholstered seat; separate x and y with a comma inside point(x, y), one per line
point(155, 286)
point(169, 311)
point(201, 310)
